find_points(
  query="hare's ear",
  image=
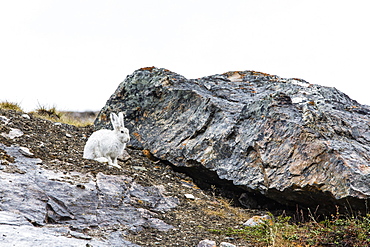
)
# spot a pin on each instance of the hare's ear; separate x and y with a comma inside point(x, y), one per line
point(114, 120)
point(121, 119)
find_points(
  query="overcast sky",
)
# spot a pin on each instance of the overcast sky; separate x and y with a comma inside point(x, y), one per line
point(73, 54)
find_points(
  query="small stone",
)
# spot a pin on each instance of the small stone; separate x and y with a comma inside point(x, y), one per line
point(139, 168)
point(68, 135)
point(4, 119)
point(13, 133)
point(256, 220)
point(38, 161)
point(225, 244)
point(206, 243)
point(26, 116)
point(189, 196)
point(26, 152)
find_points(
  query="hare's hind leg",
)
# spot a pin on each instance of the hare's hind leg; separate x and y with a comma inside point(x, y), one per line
point(89, 151)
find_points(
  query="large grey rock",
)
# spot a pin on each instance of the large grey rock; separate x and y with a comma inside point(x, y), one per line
point(40, 207)
point(284, 139)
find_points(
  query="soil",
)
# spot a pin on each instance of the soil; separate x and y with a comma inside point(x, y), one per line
point(60, 146)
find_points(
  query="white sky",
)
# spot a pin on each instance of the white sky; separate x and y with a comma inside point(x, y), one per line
point(73, 54)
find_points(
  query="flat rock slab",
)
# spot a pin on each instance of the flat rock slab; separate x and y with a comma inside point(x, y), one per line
point(39, 207)
point(285, 139)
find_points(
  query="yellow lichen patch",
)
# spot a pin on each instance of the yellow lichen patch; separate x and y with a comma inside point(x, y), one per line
point(148, 68)
point(137, 135)
point(259, 73)
point(149, 155)
point(230, 73)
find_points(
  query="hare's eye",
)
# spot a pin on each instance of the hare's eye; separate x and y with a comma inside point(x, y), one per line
point(122, 131)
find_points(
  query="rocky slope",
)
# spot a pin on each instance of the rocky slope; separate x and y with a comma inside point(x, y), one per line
point(279, 140)
point(257, 139)
point(50, 196)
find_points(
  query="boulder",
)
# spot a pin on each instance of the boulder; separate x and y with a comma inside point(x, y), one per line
point(281, 139)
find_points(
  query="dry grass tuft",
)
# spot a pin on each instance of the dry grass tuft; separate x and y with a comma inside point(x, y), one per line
point(223, 208)
point(79, 121)
point(49, 113)
point(52, 114)
point(6, 105)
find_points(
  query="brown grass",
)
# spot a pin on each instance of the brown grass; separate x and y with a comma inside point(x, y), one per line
point(6, 105)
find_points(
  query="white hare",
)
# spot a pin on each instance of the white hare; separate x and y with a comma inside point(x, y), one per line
point(106, 145)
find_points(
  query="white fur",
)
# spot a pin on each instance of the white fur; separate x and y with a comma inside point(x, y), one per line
point(106, 145)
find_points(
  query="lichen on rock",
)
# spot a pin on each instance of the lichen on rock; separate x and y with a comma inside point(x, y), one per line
point(285, 139)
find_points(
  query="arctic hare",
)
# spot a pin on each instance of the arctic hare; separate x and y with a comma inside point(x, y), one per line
point(106, 145)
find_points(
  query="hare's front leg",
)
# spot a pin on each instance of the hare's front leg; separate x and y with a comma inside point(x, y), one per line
point(110, 162)
point(115, 163)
